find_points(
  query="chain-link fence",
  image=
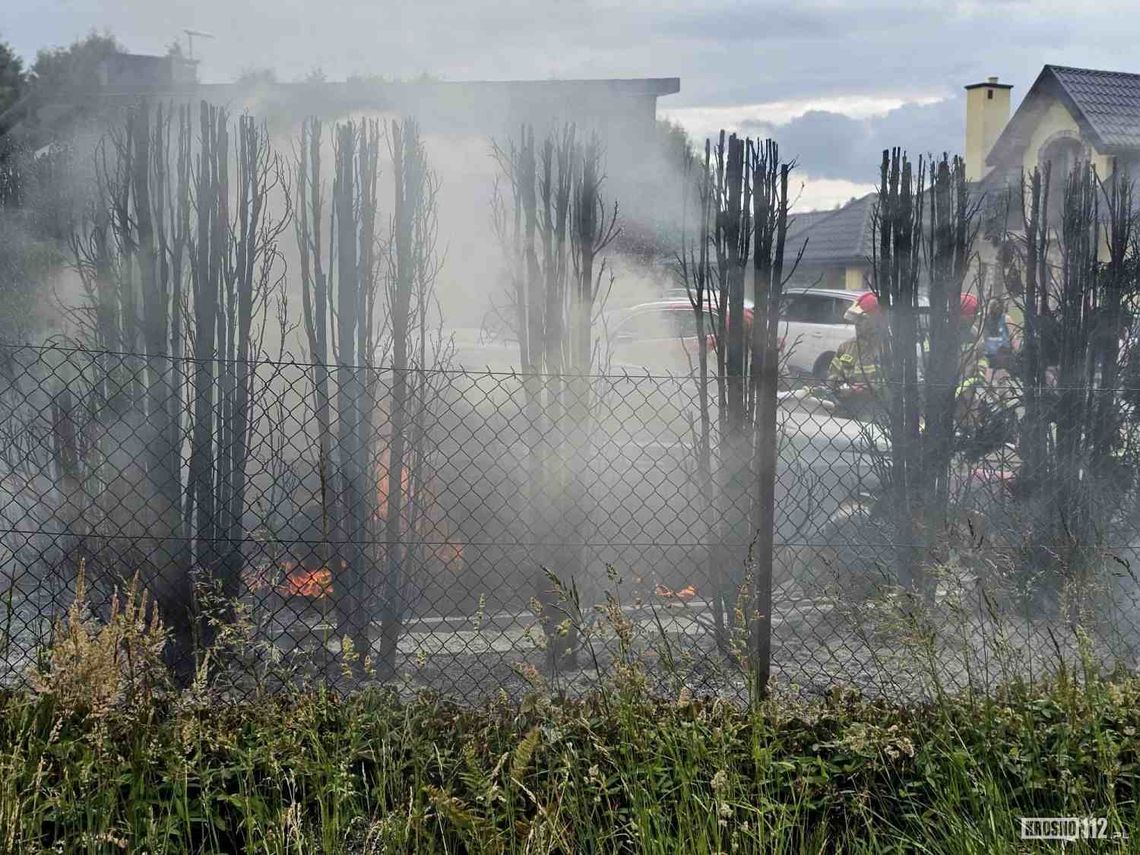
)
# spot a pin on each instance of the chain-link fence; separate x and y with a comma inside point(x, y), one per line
point(526, 527)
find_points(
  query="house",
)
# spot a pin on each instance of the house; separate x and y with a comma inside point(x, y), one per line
point(622, 111)
point(468, 114)
point(41, 116)
point(836, 245)
point(121, 72)
point(1068, 115)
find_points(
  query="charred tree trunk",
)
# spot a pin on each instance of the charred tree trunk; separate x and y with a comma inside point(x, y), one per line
point(1034, 433)
point(732, 240)
point(163, 260)
point(742, 213)
point(895, 273)
point(556, 227)
point(211, 187)
point(409, 176)
point(949, 238)
point(315, 302)
point(770, 217)
point(697, 273)
point(592, 229)
point(370, 493)
point(355, 155)
point(1077, 307)
point(130, 256)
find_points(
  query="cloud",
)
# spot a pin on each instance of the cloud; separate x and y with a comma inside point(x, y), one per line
point(744, 22)
point(841, 138)
point(833, 145)
point(833, 80)
point(699, 120)
point(811, 193)
point(725, 51)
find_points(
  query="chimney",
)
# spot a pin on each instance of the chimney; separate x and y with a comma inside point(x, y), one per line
point(987, 111)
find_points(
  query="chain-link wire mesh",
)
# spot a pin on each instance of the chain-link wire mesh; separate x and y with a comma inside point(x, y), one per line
point(534, 527)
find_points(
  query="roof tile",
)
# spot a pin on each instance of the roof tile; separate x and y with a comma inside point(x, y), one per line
point(834, 237)
point(1109, 100)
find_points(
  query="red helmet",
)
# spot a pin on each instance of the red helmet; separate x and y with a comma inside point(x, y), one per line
point(969, 307)
point(867, 304)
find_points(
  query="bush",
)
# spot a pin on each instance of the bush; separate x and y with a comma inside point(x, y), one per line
point(618, 772)
point(97, 667)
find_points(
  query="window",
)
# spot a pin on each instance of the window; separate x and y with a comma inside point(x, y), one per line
point(799, 308)
point(1062, 156)
point(839, 309)
point(657, 324)
point(813, 309)
point(923, 314)
point(685, 322)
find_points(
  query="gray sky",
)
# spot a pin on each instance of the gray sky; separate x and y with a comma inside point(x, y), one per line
point(833, 81)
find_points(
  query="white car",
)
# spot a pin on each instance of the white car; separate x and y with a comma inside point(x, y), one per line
point(662, 335)
point(657, 337)
point(813, 326)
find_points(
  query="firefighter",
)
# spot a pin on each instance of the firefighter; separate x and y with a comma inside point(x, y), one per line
point(857, 366)
point(996, 335)
point(973, 350)
point(973, 401)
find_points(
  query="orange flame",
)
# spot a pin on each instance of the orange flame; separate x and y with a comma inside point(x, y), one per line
point(683, 594)
point(303, 582)
point(421, 493)
point(383, 485)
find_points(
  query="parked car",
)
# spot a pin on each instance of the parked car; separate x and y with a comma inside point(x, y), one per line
point(813, 326)
point(662, 335)
point(658, 337)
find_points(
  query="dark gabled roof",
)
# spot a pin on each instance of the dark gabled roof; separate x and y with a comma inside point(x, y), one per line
point(835, 237)
point(1109, 101)
point(800, 221)
point(1105, 105)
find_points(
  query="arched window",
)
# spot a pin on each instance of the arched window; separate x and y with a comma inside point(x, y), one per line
point(1062, 154)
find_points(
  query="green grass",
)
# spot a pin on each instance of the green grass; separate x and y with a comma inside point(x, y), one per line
point(316, 773)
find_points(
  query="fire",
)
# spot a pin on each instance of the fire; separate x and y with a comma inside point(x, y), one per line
point(417, 502)
point(289, 578)
point(383, 486)
point(296, 579)
point(303, 582)
point(683, 594)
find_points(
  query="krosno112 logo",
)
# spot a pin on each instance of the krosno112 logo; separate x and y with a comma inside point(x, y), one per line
point(1068, 828)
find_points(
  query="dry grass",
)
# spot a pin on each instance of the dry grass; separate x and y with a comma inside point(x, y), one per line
point(96, 667)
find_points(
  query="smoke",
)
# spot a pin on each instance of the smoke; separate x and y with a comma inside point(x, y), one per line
point(642, 178)
point(51, 189)
point(645, 182)
point(837, 142)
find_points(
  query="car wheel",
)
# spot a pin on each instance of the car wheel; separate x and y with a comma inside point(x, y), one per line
point(822, 366)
